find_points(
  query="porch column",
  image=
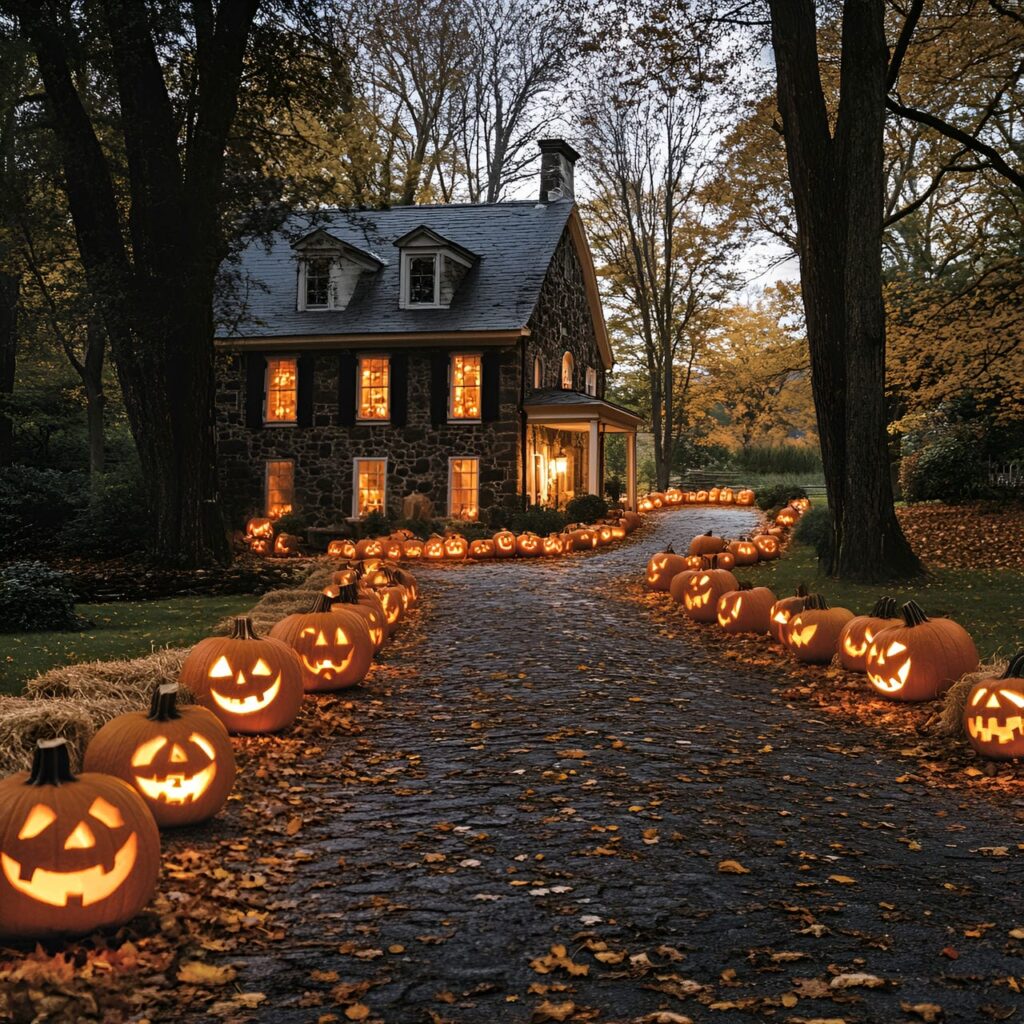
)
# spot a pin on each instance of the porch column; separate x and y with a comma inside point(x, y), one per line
point(631, 470)
point(594, 460)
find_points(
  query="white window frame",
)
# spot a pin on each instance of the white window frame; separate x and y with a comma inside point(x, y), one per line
point(266, 486)
point(451, 387)
point(303, 275)
point(411, 254)
point(359, 389)
point(451, 489)
point(266, 392)
point(567, 360)
point(356, 463)
point(591, 381)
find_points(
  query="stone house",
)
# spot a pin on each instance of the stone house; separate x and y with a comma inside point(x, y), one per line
point(454, 351)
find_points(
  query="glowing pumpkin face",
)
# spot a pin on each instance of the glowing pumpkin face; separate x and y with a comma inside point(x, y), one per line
point(394, 549)
point(787, 517)
point(673, 496)
point(745, 611)
point(812, 633)
point(75, 853)
point(260, 528)
point(341, 549)
point(345, 595)
point(412, 549)
point(703, 591)
point(657, 499)
point(286, 544)
point(745, 497)
point(994, 714)
point(253, 684)
point(580, 540)
point(662, 566)
point(528, 545)
point(782, 611)
point(455, 546)
point(767, 546)
point(801, 504)
point(701, 498)
point(726, 496)
point(504, 544)
point(745, 552)
point(482, 548)
point(859, 633)
point(433, 549)
point(646, 505)
point(618, 531)
point(713, 495)
point(260, 545)
point(920, 658)
point(552, 545)
point(604, 535)
point(370, 547)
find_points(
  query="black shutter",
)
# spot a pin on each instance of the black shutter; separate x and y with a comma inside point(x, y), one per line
point(490, 398)
point(398, 397)
point(255, 379)
point(439, 388)
point(346, 389)
point(306, 366)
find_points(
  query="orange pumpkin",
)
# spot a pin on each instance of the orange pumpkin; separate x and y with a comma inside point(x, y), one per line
point(783, 610)
point(412, 548)
point(812, 633)
point(528, 545)
point(433, 548)
point(552, 545)
point(994, 713)
point(347, 596)
point(745, 497)
point(704, 589)
point(767, 546)
point(341, 549)
point(858, 634)
point(662, 566)
point(456, 547)
point(744, 551)
point(787, 516)
point(745, 610)
point(481, 548)
point(706, 544)
point(504, 544)
point(370, 547)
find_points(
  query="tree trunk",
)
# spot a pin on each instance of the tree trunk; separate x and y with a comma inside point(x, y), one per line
point(95, 399)
point(837, 181)
point(10, 286)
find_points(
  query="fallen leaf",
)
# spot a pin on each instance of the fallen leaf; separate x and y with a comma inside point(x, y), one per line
point(732, 867)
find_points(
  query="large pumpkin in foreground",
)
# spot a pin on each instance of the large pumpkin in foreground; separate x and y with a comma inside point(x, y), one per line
point(179, 760)
point(704, 589)
point(252, 683)
point(76, 853)
point(857, 635)
point(994, 713)
point(921, 658)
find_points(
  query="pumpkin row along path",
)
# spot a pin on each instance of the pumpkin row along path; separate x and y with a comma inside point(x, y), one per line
point(553, 771)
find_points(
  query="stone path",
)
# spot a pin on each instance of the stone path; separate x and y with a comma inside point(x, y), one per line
point(560, 774)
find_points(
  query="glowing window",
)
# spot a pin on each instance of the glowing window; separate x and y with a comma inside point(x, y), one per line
point(465, 388)
point(538, 372)
point(464, 488)
point(282, 401)
point(373, 388)
point(567, 367)
point(280, 487)
point(370, 486)
point(591, 387)
point(318, 279)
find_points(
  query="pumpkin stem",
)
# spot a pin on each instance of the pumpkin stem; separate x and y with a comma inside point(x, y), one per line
point(321, 603)
point(347, 594)
point(1015, 668)
point(709, 562)
point(164, 705)
point(913, 614)
point(885, 608)
point(51, 764)
point(815, 601)
point(669, 550)
point(745, 585)
point(801, 590)
point(243, 629)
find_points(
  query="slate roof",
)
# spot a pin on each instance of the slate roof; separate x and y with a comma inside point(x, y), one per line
point(577, 400)
point(514, 243)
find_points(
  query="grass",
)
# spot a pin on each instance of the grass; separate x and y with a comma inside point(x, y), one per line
point(120, 630)
point(988, 603)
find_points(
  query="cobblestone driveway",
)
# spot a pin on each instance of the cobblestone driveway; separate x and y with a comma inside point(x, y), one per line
point(558, 771)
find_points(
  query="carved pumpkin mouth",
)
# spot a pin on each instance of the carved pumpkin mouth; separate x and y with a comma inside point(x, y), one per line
point(993, 730)
point(326, 668)
point(856, 650)
point(90, 885)
point(248, 705)
point(177, 789)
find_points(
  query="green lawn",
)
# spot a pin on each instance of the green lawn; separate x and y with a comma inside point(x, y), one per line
point(988, 603)
point(119, 630)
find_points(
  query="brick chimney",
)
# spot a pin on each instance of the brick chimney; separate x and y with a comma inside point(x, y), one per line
point(557, 170)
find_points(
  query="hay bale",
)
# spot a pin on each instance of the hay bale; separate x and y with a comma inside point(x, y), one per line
point(951, 718)
point(271, 608)
point(129, 681)
point(321, 574)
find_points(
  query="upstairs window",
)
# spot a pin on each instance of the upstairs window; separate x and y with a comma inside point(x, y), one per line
point(567, 368)
point(465, 376)
point(374, 382)
point(422, 280)
point(280, 487)
point(318, 282)
point(591, 387)
point(464, 489)
point(282, 391)
point(538, 372)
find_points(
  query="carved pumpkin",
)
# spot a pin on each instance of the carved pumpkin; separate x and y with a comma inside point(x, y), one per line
point(704, 589)
point(433, 548)
point(528, 545)
point(405, 579)
point(726, 560)
point(394, 548)
point(76, 854)
point(662, 566)
point(746, 610)
point(787, 517)
point(726, 496)
point(800, 504)
point(767, 546)
point(783, 610)
point(706, 544)
point(920, 658)
point(691, 497)
point(646, 505)
point(348, 596)
point(677, 586)
point(370, 547)
point(179, 760)
point(253, 684)
point(392, 595)
point(456, 547)
point(504, 544)
point(713, 495)
point(994, 713)
point(552, 545)
point(744, 551)
point(631, 520)
point(657, 498)
point(483, 548)
point(287, 544)
point(341, 549)
point(745, 497)
point(412, 548)
point(673, 496)
point(694, 561)
point(812, 633)
point(861, 630)
point(334, 647)
point(580, 540)
point(701, 498)
point(260, 527)
point(260, 545)
point(604, 535)
point(618, 531)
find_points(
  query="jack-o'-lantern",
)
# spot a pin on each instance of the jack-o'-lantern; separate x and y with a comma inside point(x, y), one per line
point(691, 497)
point(726, 559)
point(700, 498)
point(746, 610)
point(618, 531)
point(706, 544)
point(348, 596)
point(704, 589)
point(994, 713)
point(662, 566)
point(552, 545)
point(253, 684)
point(783, 610)
point(581, 540)
point(76, 853)
point(179, 760)
point(482, 548)
point(528, 545)
point(677, 585)
point(745, 552)
point(694, 561)
point(370, 547)
point(657, 498)
point(433, 548)
point(412, 548)
point(406, 580)
point(334, 647)
point(920, 658)
point(800, 504)
point(604, 535)
point(260, 545)
point(745, 497)
point(673, 496)
point(394, 548)
point(260, 527)
point(812, 633)
point(857, 635)
point(631, 520)
point(504, 544)
point(767, 546)
point(713, 495)
point(726, 496)
point(287, 544)
point(645, 505)
point(787, 516)
point(392, 594)
point(456, 547)
point(341, 549)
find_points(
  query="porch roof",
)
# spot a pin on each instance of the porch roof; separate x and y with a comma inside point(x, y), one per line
point(561, 407)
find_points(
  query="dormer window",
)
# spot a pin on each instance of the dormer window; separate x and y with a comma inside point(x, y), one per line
point(423, 280)
point(318, 283)
point(329, 268)
point(432, 268)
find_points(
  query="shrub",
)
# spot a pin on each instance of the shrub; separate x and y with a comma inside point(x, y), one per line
point(115, 519)
point(294, 523)
point(948, 469)
point(421, 528)
point(35, 597)
point(586, 508)
point(614, 487)
point(35, 504)
point(778, 495)
point(815, 529)
point(373, 525)
point(777, 458)
point(538, 519)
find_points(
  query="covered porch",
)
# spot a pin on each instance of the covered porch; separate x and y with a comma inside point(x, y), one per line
point(563, 447)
